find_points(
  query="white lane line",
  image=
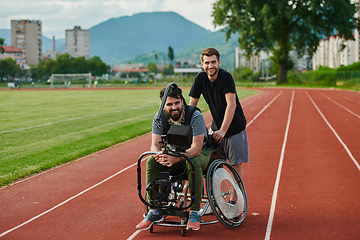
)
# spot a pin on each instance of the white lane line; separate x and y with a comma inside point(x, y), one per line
point(351, 100)
point(72, 119)
point(340, 105)
point(277, 182)
point(335, 133)
point(133, 235)
point(247, 125)
point(254, 100)
point(262, 110)
point(67, 200)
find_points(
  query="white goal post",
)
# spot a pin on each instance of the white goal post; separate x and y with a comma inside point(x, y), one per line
point(68, 79)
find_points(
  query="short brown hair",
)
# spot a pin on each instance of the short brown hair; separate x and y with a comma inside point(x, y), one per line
point(209, 52)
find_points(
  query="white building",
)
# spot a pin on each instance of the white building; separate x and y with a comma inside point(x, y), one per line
point(27, 36)
point(261, 62)
point(335, 51)
point(357, 38)
point(253, 63)
point(78, 42)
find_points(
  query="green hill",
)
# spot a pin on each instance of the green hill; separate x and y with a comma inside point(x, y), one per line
point(121, 39)
point(193, 50)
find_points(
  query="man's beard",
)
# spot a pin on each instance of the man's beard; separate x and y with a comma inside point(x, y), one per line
point(213, 74)
point(175, 117)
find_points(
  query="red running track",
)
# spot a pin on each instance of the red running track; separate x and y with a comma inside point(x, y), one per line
point(303, 179)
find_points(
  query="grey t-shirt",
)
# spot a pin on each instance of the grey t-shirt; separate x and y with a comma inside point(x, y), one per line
point(197, 125)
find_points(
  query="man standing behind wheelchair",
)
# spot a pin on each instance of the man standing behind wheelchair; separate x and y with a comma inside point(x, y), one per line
point(200, 154)
point(228, 127)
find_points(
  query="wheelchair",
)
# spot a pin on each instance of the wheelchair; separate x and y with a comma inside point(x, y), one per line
point(224, 191)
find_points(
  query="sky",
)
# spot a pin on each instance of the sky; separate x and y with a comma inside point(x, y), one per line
point(57, 16)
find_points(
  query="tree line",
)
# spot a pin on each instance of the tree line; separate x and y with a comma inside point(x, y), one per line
point(65, 64)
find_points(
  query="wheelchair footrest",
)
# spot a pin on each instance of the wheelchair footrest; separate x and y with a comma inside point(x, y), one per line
point(170, 212)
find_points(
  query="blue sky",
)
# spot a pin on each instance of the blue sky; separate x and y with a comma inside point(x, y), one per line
point(58, 15)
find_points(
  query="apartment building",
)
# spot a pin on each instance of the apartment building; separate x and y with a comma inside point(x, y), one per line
point(335, 51)
point(78, 42)
point(27, 36)
point(14, 53)
point(253, 63)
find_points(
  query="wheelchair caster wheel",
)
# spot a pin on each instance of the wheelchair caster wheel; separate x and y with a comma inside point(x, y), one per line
point(182, 232)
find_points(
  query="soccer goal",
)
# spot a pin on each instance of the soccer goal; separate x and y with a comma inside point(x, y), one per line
point(66, 80)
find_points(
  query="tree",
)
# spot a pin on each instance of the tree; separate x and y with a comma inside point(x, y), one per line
point(171, 54)
point(169, 70)
point(63, 64)
point(281, 26)
point(152, 68)
point(8, 67)
point(97, 67)
point(2, 41)
point(38, 71)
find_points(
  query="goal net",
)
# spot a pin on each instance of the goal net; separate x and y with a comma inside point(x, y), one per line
point(66, 80)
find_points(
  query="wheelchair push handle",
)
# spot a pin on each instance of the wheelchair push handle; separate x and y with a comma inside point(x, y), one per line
point(163, 101)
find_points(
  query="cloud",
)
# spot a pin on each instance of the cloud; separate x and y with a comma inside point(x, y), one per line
point(58, 15)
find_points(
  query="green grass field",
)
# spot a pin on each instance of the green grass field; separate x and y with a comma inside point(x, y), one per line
point(41, 129)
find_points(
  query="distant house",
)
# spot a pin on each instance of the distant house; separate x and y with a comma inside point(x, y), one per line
point(186, 68)
point(51, 55)
point(14, 53)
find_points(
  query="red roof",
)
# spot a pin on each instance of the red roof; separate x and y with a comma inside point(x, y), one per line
point(11, 49)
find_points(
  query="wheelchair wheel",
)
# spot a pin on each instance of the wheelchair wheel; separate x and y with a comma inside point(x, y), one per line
point(226, 193)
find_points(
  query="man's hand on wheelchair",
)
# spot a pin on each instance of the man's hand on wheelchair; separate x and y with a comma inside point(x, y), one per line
point(165, 159)
point(218, 135)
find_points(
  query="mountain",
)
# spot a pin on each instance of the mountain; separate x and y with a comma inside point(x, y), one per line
point(192, 51)
point(121, 39)
point(6, 34)
point(216, 40)
point(46, 42)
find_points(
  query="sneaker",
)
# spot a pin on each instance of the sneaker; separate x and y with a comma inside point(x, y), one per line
point(150, 219)
point(194, 221)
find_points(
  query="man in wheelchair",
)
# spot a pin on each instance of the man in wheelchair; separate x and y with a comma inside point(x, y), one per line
point(174, 113)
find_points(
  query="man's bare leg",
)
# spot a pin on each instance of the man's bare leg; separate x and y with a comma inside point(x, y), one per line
point(239, 169)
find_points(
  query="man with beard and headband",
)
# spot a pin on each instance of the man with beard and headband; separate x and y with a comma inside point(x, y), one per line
point(228, 127)
point(175, 109)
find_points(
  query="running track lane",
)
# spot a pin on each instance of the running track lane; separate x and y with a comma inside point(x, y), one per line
point(317, 195)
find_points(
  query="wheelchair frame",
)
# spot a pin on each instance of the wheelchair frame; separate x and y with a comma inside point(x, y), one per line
point(223, 184)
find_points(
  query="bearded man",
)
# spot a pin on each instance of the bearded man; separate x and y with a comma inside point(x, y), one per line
point(175, 109)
